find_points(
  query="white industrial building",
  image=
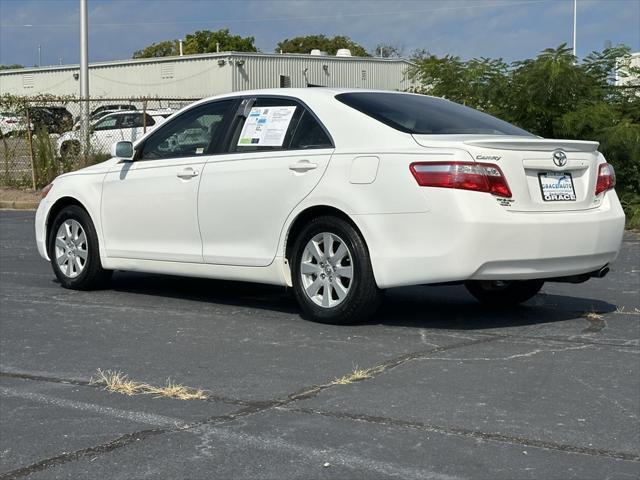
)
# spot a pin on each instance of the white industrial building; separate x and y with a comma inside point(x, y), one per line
point(202, 75)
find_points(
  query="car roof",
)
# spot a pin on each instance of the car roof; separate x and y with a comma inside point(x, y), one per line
point(301, 93)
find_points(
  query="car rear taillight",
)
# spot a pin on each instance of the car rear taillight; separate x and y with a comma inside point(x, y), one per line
point(479, 177)
point(606, 178)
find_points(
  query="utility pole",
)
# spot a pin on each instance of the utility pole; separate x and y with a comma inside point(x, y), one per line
point(39, 55)
point(84, 74)
point(575, 14)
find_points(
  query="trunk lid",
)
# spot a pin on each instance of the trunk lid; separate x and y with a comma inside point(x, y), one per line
point(538, 182)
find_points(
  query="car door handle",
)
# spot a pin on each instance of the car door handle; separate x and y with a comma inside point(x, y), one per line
point(302, 166)
point(188, 173)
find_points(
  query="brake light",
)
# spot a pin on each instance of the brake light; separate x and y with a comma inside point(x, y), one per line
point(479, 177)
point(606, 178)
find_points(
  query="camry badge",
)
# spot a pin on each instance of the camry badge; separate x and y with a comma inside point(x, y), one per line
point(559, 158)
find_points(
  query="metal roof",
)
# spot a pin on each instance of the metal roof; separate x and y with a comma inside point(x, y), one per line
point(201, 56)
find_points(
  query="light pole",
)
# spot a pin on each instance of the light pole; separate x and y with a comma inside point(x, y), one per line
point(84, 74)
point(575, 14)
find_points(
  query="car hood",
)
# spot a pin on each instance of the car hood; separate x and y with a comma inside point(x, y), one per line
point(98, 168)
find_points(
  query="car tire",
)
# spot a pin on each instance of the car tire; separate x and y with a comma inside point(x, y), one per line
point(74, 251)
point(332, 276)
point(504, 294)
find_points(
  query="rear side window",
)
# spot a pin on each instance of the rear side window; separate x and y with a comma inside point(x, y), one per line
point(135, 120)
point(420, 114)
point(242, 140)
point(303, 131)
point(309, 134)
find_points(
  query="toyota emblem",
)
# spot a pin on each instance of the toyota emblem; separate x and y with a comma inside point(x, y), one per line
point(559, 158)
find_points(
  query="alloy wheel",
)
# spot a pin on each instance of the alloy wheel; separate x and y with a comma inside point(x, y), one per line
point(326, 268)
point(71, 249)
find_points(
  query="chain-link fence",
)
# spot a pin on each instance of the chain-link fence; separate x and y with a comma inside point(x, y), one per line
point(41, 138)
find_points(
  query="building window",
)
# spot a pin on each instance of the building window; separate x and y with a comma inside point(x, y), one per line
point(166, 71)
point(285, 81)
point(28, 80)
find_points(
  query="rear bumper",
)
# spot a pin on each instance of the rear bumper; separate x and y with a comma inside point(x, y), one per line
point(468, 236)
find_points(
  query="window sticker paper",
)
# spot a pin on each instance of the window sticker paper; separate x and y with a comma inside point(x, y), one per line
point(266, 126)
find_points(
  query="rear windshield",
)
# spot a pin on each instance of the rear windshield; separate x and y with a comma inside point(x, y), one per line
point(424, 115)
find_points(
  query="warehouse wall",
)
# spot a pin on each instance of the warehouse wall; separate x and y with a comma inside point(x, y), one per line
point(196, 76)
point(354, 72)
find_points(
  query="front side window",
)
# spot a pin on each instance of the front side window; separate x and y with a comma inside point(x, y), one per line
point(420, 114)
point(192, 133)
point(107, 123)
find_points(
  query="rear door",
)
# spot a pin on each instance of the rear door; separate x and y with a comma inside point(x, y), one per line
point(275, 154)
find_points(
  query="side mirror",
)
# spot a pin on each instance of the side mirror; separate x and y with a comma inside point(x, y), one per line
point(123, 150)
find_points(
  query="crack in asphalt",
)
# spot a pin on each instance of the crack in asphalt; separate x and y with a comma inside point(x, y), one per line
point(254, 408)
point(100, 386)
point(477, 434)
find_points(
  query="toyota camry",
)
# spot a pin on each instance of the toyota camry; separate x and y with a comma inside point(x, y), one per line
point(339, 194)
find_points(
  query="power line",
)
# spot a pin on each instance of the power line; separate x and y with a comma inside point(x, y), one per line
point(285, 18)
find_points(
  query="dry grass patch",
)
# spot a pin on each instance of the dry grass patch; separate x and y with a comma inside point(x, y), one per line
point(357, 375)
point(175, 390)
point(118, 382)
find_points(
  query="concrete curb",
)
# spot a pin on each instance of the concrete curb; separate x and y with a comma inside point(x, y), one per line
point(15, 205)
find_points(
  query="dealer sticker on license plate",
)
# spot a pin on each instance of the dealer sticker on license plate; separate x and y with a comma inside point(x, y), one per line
point(557, 187)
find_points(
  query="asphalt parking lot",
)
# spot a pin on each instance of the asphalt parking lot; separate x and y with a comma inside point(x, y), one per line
point(548, 390)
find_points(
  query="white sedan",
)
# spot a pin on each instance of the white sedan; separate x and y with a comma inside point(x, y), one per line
point(338, 193)
point(110, 128)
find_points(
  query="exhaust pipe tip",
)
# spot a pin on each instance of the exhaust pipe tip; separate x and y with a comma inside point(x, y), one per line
point(602, 272)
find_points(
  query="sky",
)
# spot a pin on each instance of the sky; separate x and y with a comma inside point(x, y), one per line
point(510, 29)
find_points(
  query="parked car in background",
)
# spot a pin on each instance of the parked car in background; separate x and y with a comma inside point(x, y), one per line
point(112, 127)
point(54, 119)
point(112, 108)
point(97, 113)
point(339, 194)
point(12, 123)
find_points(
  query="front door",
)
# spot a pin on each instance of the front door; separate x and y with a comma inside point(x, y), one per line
point(149, 206)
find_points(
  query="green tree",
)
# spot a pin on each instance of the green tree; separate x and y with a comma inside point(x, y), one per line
point(547, 87)
point(201, 41)
point(388, 50)
point(204, 41)
point(10, 67)
point(479, 83)
point(167, 48)
point(321, 42)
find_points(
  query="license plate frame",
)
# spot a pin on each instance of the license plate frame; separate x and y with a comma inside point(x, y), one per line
point(560, 191)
